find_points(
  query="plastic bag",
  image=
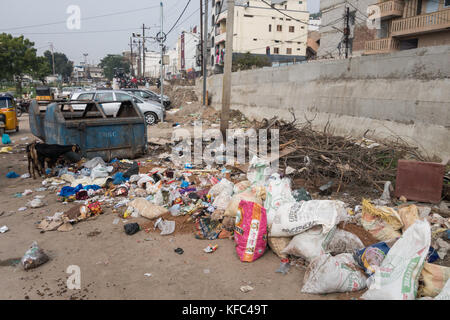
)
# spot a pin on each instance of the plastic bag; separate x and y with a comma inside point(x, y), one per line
point(99, 172)
point(34, 257)
point(147, 209)
point(278, 193)
point(6, 139)
point(382, 222)
point(259, 171)
point(91, 164)
point(343, 242)
point(297, 217)
point(278, 244)
point(328, 274)
point(309, 244)
point(250, 231)
point(434, 278)
point(445, 293)
point(371, 257)
point(409, 215)
point(398, 276)
point(222, 193)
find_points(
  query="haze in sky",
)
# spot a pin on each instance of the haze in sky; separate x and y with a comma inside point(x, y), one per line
point(106, 25)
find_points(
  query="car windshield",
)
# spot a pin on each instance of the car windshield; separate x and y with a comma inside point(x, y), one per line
point(5, 103)
point(124, 97)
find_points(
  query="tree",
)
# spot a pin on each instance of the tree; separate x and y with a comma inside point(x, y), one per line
point(248, 61)
point(114, 61)
point(63, 65)
point(41, 69)
point(17, 58)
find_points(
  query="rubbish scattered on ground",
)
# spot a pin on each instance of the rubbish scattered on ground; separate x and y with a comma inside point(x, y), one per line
point(25, 176)
point(148, 274)
point(22, 209)
point(12, 175)
point(211, 248)
point(179, 250)
point(6, 139)
point(4, 229)
point(6, 149)
point(246, 289)
point(131, 228)
point(36, 203)
point(166, 227)
point(284, 266)
point(34, 257)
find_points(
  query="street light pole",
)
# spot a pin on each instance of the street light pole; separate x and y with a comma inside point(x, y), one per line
point(205, 52)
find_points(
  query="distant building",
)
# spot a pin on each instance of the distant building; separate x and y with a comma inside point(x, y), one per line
point(153, 64)
point(333, 24)
point(172, 68)
point(313, 45)
point(314, 24)
point(187, 45)
point(261, 29)
point(409, 24)
point(88, 72)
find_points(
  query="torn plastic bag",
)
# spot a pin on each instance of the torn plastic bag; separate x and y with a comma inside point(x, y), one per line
point(382, 222)
point(433, 279)
point(91, 164)
point(398, 276)
point(166, 227)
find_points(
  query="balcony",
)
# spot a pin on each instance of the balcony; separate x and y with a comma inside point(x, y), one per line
point(390, 9)
point(381, 46)
point(430, 22)
point(220, 38)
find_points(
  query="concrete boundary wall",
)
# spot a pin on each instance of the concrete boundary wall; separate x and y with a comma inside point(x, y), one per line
point(404, 94)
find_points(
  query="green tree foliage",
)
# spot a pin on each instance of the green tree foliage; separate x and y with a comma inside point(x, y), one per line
point(114, 61)
point(63, 65)
point(249, 61)
point(17, 58)
point(41, 69)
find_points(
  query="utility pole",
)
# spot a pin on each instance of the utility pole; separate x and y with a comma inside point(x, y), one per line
point(162, 39)
point(85, 65)
point(205, 51)
point(347, 30)
point(201, 32)
point(140, 61)
point(143, 49)
point(131, 56)
point(53, 58)
point(226, 85)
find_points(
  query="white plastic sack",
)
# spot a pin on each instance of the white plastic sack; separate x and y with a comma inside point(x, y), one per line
point(297, 217)
point(309, 244)
point(445, 293)
point(328, 274)
point(100, 172)
point(398, 276)
point(259, 171)
point(278, 193)
point(143, 180)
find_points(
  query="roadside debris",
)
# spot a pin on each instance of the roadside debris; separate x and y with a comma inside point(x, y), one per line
point(246, 289)
point(34, 257)
point(4, 229)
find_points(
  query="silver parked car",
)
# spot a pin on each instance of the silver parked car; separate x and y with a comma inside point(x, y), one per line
point(152, 111)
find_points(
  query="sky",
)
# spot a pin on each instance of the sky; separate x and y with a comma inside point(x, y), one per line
point(106, 25)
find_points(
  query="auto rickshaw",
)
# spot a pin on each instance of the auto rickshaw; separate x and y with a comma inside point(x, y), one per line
point(8, 113)
point(44, 94)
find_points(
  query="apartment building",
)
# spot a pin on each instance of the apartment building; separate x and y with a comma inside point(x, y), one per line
point(260, 29)
point(187, 51)
point(408, 24)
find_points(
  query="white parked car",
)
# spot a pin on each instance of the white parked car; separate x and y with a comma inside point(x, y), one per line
point(152, 111)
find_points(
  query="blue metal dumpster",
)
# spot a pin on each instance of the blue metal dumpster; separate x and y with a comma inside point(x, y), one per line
point(98, 135)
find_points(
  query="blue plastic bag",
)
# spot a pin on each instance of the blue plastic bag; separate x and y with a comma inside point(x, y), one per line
point(6, 139)
point(70, 191)
point(12, 175)
point(118, 178)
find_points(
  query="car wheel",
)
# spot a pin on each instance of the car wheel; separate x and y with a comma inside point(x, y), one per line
point(150, 118)
point(19, 112)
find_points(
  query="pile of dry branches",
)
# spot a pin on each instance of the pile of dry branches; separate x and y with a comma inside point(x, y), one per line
point(320, 156)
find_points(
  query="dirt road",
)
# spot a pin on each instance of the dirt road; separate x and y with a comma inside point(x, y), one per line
point(113, 264)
